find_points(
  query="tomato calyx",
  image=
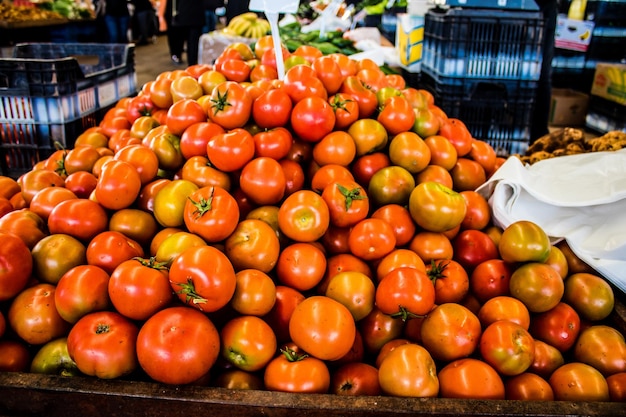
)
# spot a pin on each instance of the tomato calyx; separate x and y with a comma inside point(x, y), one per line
point(152, 263)
point(220, 103)
point(191, 296)
point(292, 355)
point(203, 205)
point(406, 315)
point(338, 103)
point(350, 195)
point(436, 271)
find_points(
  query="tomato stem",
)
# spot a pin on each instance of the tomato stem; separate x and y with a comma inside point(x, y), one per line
point(350, 195)
point(220, 103)
point(203, 205)
point(191, 296)
point(152, 263)
point(405, 314)
point(436, 271)
point(292, 355)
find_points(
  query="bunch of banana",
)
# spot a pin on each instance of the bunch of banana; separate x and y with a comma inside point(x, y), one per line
point(248, 25)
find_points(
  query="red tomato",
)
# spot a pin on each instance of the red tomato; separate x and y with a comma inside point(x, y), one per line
point(203, 278)
point(109, 249)
point(301, 265)
point(472, 379)
point(80, 218)
point(467, 175)
point(473, 247)
point(547, 359)
point(301, 81)
point(355, 290)
point(371, 239)
point(355, 378)
point(80, 291)
point(16, 266)
point(558, 326)
point(231, 105)
point(490, 279)
point(273, 143)
point(103, 344)
point(292, 371)
point(458, 134)
point(442, 152)
point(378, 328)
point(397, 115)
point(436, 208)
point(184, 113)
point(248, 343)
point(450, 279)
point(405, 292)
point(253, 244)
point(263, 181)
point(177, 345)
point(194, 139)
point(409, 371)
point(25, 224)
point(431, 246)
point(278, 318)
point(119, 185)
point(255, 293)
point(33, 317)
point(211, 213)
point(322, 327)
point(312, 118)
point(347, 203)
point(508, 347)
point(478, 213)
point(365, 97)
point(503, 307)
point(529, 387)
point(346, 110)
point(14, 356)
point(272, 109)
point(409, 151)
point(617, 386)
point(232, 150)
point(138, 288)
point(304, 216)
point(451, 331)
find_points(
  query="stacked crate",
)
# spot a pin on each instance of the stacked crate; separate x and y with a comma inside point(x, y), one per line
point(482, 67)
point(50, 93)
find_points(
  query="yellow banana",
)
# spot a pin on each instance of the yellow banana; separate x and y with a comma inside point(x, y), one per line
point(614, 75)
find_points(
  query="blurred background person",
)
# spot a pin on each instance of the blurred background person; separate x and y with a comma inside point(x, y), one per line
point(210, 7)
point(183, 21)
point(144, 22)
point(117, 20)
point(236, 7)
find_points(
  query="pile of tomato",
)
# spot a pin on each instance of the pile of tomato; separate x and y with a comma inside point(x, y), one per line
point(321, 233)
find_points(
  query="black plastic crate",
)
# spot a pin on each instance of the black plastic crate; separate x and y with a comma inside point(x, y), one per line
point(56, 69)
point(498, 112)
point(24, 144)
point(608, 44)
point(483, 43)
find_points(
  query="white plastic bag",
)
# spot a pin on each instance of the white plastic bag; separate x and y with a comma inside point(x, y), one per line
point(579, 198)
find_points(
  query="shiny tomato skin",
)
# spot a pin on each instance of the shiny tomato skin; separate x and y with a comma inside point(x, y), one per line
point(405, 292)
point(322, 327)
point(255, 293)
point(24, 224)
point(312, 118)
point(16, 266)
point(289, 372)
point(103, 344)
point(524, 241)
point(451, 331)
point(304, 216)
point(81, 218)
point(109, 249)
point(537, 285)
point(253, 244)
point(247, 342)
point(177, 345)
point(118, 185)
point(55, 254)
point(529, 387)
point(355, 378)
point(576, 381)
point(138, 288)
point(491, 279)
point(472, 379)
point(409, 371)
point(559, 326)
point(170, 201)
point(231, 105)
point(435, 207)
point(212, 213)
point(508, 347)
point(602, 347)
point(617, 386)
point(82, 290)
point(590, 295)
point(272, 109)
point(33, 317)
point(378, 328)
point(14, 356)
point(472, 247)
point(182, 114)
point(203, 277)
point(278, 317)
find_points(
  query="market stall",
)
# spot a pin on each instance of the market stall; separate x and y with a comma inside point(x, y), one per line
point(330, 240)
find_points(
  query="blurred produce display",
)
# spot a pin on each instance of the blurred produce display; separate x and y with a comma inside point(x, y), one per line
point(70, 9)
point(12, 14)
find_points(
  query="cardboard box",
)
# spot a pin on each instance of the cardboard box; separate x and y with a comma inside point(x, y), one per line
point(609, 82)
point(568, 107)
point(410, 41)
